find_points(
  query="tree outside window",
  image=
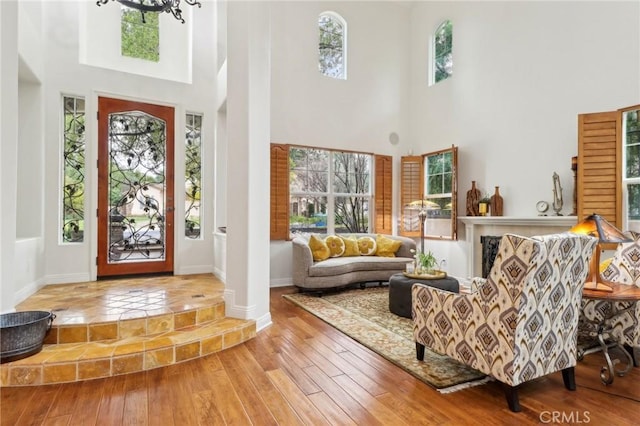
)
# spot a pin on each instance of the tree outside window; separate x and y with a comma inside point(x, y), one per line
point(331, 46)
point(74, 170)
point(140, 38)
point(330, 191)
point(193, 176)
point(443, 52)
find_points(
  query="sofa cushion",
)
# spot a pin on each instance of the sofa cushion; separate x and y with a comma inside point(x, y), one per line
point(335, 244)
point(343, 265)
point(386, 247)
point(350, 246)
point(319, 248)
point(367, 246)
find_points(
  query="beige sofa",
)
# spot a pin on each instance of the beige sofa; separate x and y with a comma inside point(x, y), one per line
point(343, 271)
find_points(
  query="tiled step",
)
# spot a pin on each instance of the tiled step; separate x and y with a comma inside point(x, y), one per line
point(130, 352)
point(133, 323)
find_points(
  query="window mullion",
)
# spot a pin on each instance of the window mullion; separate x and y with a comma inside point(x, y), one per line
point(331, 226)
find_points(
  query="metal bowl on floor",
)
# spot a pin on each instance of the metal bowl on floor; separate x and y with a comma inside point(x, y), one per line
point(22, 333)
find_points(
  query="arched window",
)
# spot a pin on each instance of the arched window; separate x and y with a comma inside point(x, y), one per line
point(442, 51)
point(332, 45)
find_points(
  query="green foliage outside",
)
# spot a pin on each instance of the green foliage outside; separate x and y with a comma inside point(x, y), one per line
point(140, 39)
point(330, 45)
point(440, 178)
point(443, 55)
point(74, 167)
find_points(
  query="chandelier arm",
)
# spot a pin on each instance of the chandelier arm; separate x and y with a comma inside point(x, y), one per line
point(169, 6)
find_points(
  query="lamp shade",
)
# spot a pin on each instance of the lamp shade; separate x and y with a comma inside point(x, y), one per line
point(597, 226)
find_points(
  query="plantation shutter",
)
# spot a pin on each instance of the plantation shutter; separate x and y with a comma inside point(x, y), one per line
point(411, 189)
point(279, 192)
point(383, 194)
point(599, 184)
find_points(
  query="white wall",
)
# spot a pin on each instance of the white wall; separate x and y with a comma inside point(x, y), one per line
point(522, 73)
point(40, 63)
point(100, 46)
point(65, 75)
point(8, 149)
point(359, 113)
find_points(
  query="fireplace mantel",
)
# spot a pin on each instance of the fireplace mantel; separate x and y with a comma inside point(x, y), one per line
point(476, 226)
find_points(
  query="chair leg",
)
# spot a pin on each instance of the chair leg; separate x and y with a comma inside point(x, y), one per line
point(511, 392)
point(633, 355)
point(569, 378)
point(419, 351)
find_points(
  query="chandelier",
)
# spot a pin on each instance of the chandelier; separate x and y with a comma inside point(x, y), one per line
point(144, 6)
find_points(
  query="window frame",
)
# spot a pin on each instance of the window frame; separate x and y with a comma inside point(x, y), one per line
point(331, 195)
point(189, 231)
point(150, 29)
point(627, 222)
point(81, 169)
point(413, 189)
point(333, 16)
point(435, 55)
point(380, 212)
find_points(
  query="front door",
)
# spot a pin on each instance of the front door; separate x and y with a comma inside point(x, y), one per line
point(135, 187)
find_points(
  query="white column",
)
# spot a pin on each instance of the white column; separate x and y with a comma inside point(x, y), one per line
point(8, 149)
point(248, 161)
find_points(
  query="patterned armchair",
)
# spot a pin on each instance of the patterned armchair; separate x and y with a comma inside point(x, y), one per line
point(624, 269)
point(520, 323)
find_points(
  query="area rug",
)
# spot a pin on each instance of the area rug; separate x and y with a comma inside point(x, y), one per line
point(364, 316)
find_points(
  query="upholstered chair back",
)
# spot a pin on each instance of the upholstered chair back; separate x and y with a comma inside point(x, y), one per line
point(521, 323)
point(625, 264)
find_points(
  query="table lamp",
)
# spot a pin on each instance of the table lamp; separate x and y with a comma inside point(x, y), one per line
point(596, 226)
point(422, 216)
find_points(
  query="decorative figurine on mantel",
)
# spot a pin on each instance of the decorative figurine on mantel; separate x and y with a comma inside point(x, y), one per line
point(473, 197)
point(484, 205)
point(557, 194)
point(496, 203)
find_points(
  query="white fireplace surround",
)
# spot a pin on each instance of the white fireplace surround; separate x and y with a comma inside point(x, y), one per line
point(477, 226)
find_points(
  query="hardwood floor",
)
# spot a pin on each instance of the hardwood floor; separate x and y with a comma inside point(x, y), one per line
point(302, 371)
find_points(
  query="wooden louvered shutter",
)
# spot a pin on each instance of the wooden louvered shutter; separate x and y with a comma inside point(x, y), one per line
point(411, 189)
point(599, 187)
point(279, 192)
point(383, 194)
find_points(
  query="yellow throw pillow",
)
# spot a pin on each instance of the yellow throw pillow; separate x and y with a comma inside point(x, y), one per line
point(367, 246)
point(335, 244)
point(319, 249)
point(350, 246)
point(386, 247)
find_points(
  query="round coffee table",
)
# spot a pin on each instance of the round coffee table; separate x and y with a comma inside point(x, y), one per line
point(400, 291)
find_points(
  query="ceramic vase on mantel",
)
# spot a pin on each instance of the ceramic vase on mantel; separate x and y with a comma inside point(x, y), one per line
point(496, 203)
point(473, 196)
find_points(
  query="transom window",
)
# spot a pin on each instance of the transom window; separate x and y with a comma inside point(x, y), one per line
point(140, 35)
point(330, 191)
point(442, 52)
point(332, 45)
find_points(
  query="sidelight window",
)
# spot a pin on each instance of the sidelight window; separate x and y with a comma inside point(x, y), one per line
point(73, 185)
point(193, 176)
